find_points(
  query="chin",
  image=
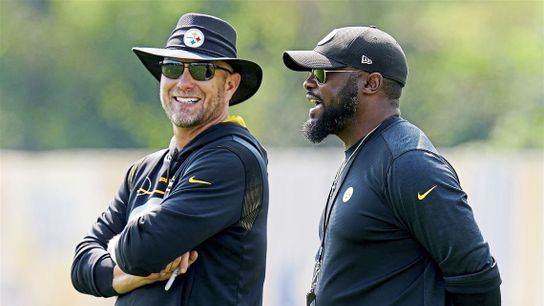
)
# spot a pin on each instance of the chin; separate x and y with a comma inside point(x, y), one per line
point(313, 131)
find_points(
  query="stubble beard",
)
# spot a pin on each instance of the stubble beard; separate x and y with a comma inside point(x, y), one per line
point(200, 116)
point(335, 117)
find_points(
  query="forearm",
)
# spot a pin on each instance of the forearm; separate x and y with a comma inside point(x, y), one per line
point(92, 268)
point(481, 288)
point(491, 298)
point(123, 282)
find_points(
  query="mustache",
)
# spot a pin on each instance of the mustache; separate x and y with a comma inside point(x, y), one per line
point(183, 92)
point(313, 95)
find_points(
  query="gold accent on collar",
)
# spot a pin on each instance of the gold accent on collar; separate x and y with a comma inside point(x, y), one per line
point(236, 119)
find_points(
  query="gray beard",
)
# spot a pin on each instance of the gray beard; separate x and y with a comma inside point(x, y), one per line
point(184, 121)
point(335, 117)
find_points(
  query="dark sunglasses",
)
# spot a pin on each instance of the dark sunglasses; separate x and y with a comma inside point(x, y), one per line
point(200, 71)
point(321, 74)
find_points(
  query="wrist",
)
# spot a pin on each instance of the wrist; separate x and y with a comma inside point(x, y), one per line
point(123, 282)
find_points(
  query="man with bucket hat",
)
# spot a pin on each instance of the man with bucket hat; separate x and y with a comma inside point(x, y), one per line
point(204, 196)
point(397, 228)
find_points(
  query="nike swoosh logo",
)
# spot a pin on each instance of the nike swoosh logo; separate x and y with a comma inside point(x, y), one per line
point(422, 196)
point(195, 181)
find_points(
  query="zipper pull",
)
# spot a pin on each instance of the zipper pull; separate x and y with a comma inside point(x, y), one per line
point(170, 185)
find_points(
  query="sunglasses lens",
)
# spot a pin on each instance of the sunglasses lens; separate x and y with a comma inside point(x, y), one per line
point(172, 70)
point(319, 75)
point(202, 71)
point(199, 71)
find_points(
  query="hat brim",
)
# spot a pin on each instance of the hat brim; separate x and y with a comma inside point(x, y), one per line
point(251, 73)
point(306, 60)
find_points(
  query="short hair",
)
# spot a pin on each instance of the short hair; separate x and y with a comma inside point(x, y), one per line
point(392, 90)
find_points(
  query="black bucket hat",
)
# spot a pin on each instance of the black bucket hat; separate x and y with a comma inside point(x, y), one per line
point(205, 37)
point(365, 48)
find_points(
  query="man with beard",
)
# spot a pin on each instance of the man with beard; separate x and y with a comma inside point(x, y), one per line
point(396, 228)
point(206, 195)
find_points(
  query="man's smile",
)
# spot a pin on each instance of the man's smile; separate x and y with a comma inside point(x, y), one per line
point(187, 100)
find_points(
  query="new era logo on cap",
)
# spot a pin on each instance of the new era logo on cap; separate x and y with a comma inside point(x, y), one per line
point(366, 60)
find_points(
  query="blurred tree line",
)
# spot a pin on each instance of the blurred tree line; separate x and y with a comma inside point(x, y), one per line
point(68, 77)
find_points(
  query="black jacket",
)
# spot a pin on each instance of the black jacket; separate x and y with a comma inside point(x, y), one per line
point(211, 197)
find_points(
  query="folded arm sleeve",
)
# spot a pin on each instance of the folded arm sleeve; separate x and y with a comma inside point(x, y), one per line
point(207, 198)
point(490, 298)
point(92, 267)
point(427, 199)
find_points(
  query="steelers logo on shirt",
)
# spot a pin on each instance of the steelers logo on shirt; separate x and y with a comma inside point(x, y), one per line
point(347, 194)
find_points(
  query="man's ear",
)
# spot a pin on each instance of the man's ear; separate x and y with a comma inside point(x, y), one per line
point(373, 83)
point(231, 84)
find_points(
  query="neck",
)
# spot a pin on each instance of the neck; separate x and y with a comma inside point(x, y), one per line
point(360, 127)
point(184, 135)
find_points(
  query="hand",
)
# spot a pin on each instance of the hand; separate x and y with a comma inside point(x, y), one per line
point(183, 262)
point(123, 282)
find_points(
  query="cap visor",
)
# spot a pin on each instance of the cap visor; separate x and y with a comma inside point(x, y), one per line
point(305, 60)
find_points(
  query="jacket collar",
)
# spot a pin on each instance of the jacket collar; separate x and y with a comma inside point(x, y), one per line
point(233, 125)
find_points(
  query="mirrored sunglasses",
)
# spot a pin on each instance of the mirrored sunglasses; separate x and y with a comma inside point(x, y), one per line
point(321, 74)
point(200, 71)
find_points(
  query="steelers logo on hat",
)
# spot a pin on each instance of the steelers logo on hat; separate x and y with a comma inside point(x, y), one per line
point(193, 38)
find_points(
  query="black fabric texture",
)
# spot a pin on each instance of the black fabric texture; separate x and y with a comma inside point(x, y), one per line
point(193, 199)
point(401, 231)
point(490, 298)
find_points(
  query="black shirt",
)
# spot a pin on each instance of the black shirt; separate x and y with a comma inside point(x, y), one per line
point(400, 231)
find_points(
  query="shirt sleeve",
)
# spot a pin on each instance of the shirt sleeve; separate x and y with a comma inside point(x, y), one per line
point(92, 267)
point(427, 199)
point(207, 198)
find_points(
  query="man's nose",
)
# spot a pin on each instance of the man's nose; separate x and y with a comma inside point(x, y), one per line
point(185, 77)
point(310, 82)
point(185, 80)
